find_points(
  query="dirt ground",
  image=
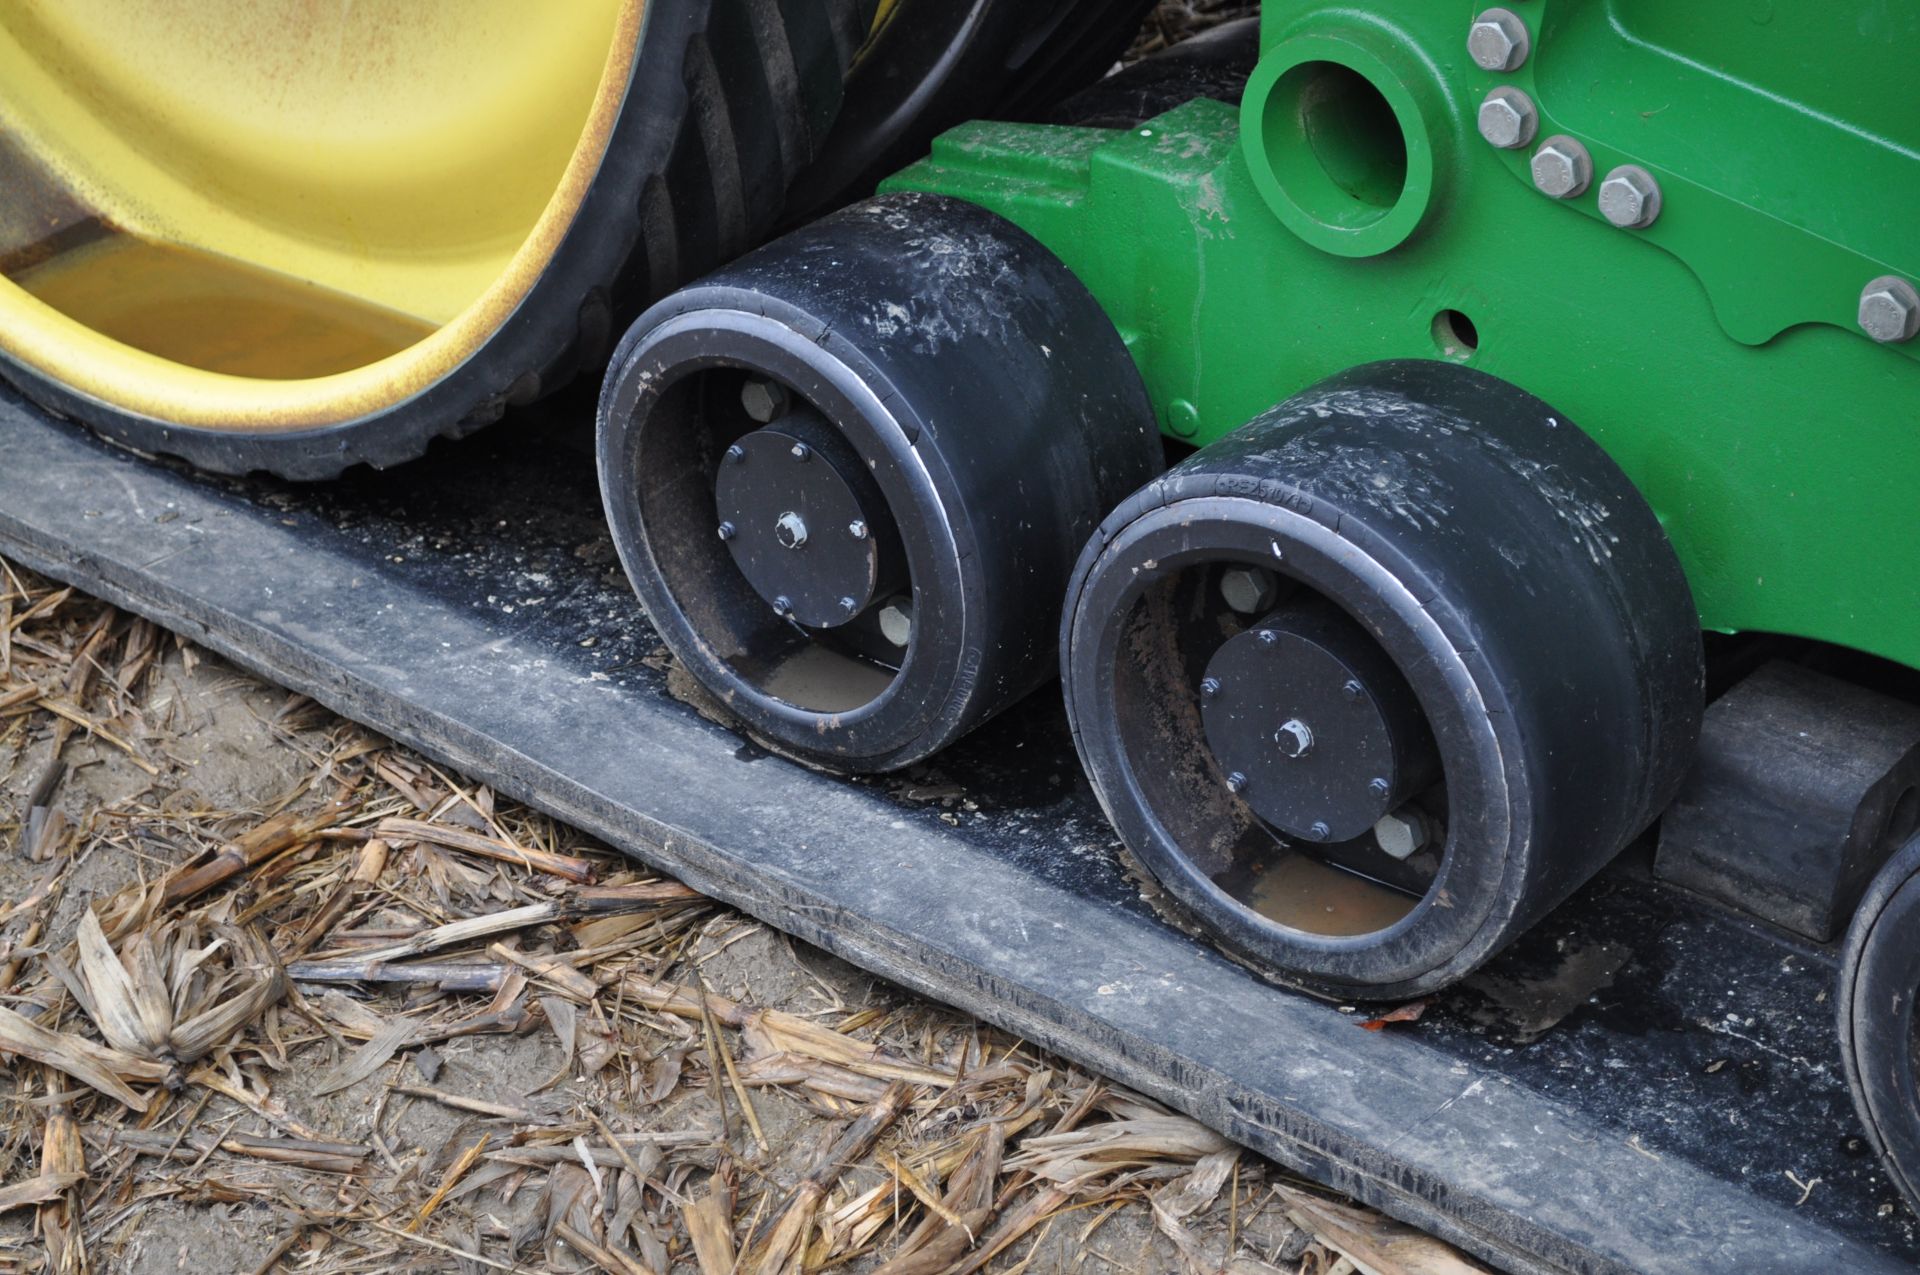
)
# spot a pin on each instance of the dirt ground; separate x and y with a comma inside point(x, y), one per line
point(378, 1020)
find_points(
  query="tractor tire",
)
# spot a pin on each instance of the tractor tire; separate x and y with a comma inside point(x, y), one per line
point(316, 239)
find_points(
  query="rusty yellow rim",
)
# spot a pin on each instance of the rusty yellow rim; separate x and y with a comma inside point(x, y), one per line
point(288, 215)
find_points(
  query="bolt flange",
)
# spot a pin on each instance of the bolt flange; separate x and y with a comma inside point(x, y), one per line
point(1562, 168)
point(1630, 197)
point(1498, 41)
point(1508, 119)
point(1890, 310)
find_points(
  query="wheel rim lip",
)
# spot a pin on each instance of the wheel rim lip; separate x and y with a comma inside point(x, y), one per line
point(837, 381)
point(120, 378)
point(1404, 951)
point(1875, 954)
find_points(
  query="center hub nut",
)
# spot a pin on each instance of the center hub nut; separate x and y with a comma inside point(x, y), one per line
point(796, 507)
point(1350, 744)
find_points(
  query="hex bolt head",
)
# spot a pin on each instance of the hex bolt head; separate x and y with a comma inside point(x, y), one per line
point(896, 621)
point(1890, 310)
point(1236, 782)
point(1499, 41)
point(1248, 590)
point(734, 454)
point(849, 605)
point(802, 452)
point(858, 530)
point(1562, 168)
point(1378, 787)
point(727, 530)
point(1630, 197)
point(783, 605)
point(1402, 833)
point(1352, 690)
point(1508, 119)
point(764, 400)
point(790, 530)
point(1294, 737)
point(1319, 832)
point(1209, 687)
point(1268, 637)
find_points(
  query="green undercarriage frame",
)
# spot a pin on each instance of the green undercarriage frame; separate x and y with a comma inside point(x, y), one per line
point(1350, 211)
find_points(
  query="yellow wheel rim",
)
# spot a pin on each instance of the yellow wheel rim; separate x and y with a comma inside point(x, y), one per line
point(288, 214)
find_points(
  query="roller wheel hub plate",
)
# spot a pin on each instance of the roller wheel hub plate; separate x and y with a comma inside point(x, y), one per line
point(797, 513)
point(1293, 723)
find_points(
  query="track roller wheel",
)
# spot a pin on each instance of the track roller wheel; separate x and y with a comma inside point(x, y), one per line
point(1372, 683)
point(849, 474)
point(1879, 1031)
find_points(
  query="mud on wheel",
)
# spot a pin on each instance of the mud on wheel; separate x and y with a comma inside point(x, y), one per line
point(1372, 683)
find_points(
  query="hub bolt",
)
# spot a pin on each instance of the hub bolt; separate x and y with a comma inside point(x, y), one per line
point(1379, 787)
point(1508, 119)
point(1353, 691)
point(1630, 197)
point(735, 454)
point(1402, 833)
point(1498, 41)
point(790, 531)
point(849, 605)
point(763, 400)
point(726, 531)
point(858, 530)
point(896, 621)
point(1268, 637)
point(1319, 832)
point(1236, 782)
point(1890, 310)
point(1294, 737)
point(1248, 590)
point(1209, 687)
point(1562, 168)
point(802, 452)
point(783, 605)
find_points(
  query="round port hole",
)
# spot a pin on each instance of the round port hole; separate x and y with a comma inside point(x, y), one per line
point(1339, 143)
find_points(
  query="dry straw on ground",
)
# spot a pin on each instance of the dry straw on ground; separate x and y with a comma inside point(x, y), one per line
point(250, 1026)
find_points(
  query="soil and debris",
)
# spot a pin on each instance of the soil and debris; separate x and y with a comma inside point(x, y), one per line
point(278, 995)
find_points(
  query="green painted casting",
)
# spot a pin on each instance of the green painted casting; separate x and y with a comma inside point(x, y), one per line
point(1350, 210)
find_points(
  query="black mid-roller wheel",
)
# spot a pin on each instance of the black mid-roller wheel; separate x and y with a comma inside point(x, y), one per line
point(1373, 682)
point(1879, 1031)
point(849, 474)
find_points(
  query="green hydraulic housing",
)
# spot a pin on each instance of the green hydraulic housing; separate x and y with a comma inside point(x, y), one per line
point(1354, 208)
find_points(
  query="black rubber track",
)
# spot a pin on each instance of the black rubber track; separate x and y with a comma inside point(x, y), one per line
point(1879, 980)
point(938, 63)
point(728, 101)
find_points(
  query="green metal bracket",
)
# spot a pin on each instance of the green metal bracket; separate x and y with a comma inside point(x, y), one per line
point(1350, 210)
point(1784, 192)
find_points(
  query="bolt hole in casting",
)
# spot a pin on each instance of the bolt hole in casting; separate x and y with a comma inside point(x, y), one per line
point(1455, 336)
